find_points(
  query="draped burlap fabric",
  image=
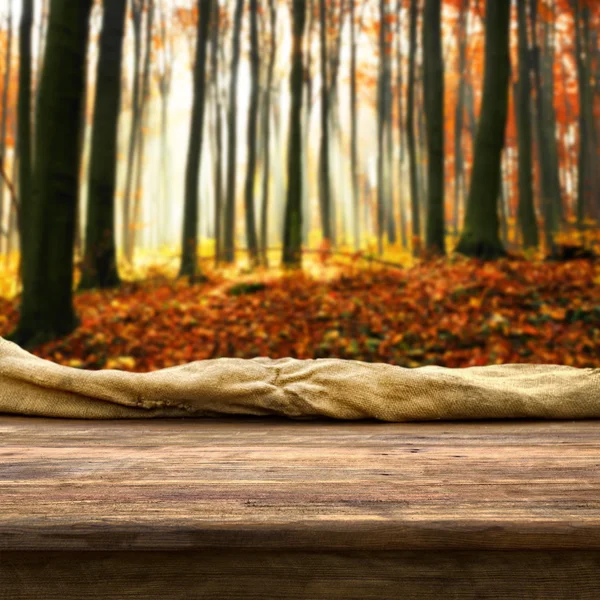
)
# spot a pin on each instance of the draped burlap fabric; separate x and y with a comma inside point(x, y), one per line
point(299, 389)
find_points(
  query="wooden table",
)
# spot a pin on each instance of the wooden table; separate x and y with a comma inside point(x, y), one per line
point(264, 508)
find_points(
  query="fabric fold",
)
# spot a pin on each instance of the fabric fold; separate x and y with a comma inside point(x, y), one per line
point(297, 389)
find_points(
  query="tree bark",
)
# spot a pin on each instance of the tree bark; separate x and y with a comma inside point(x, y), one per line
point(292, 236)
point(251, 237)
point(4, 118)
point(324, 174)
point(526, 212)
point(24, 127)
point(459, 160)
point(189, 240)
point(229, 224)
point(47, 301)
point(99, 268)
point(480, 235)
point(137, 7)
point(264, 218)
point(543, 142)
point(433, 82)
point(410, 133)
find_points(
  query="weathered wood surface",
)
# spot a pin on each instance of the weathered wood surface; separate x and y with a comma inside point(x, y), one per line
point(298, 574)
point(272, 484)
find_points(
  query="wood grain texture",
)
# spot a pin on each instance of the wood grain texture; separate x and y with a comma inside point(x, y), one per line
point(266, 483)
point(269, 575)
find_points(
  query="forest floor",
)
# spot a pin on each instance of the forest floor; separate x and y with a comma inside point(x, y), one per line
point(453, 312)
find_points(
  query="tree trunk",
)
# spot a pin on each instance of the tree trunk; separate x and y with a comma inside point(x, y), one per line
point(24, 130)
point(543, 143)
point(353, 129)
point(292, 236)
point(99, 267)
point(164, 86)
point(189, 240)
point(137, 7)
point(433, 82)
point(4, 118)
point(459, 160)
point(324, 174)
point(229, 225)
point(264, 218)
point(251, 237)
point(526, 211)
point(410, 133)
point(218, 137)
point(47, 301)
point(399, 85)
point(480, 235)
point(141, 132)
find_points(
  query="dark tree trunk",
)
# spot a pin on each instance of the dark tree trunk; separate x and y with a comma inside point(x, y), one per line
point(543, 141)
point(218, 137)
point(324, 173)
point(459, 161)
point(526, 212)
point(480, 235)
point(47, 301)
point(410, 133)
point(433, 83)
point(401, 136)
point(99, 268)
point(4, 117)
point(24, 133)
point(251, 237)
point(229, 224)
point(292, 236)
point(264, 218)
point(189, 240)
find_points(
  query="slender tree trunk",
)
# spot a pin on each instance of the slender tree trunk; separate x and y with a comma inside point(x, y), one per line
point(292, 236)
point(229, 225)
point(324, 173)
point(434, 112)
point(382, 188)
point(308, 80)
point(251, 237)
point(47, 301)
point(24, 129)
point(137, 7)
point(400, 108)
point(410, 133)
point(459, 160)
point(543, 143)
point(526, 212)
point(141, 132)
point(4, 117)
point(99, 267)
point(264, 219)
point(164, 85)
point(218, 138)
point(548, 93)
point(189, 240)
point(480, 235)
point(353, 129)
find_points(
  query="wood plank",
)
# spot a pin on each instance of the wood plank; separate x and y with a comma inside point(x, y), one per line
point(266, 483)
point(222, 574)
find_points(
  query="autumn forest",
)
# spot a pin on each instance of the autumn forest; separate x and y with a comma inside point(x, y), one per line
point(406, 181)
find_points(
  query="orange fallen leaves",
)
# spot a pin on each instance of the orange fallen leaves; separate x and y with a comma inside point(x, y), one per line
point(453, 313)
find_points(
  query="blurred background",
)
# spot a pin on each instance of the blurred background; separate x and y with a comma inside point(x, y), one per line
point(406, 181)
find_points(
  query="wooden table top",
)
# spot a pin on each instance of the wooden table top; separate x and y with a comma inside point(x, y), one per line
point(175, 484)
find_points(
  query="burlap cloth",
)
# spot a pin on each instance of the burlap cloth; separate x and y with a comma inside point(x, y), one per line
point(299, 389)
